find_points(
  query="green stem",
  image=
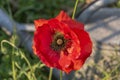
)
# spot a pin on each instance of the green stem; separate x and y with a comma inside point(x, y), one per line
point(50, 74)
point(61, 75)
point(29, 65)
point(13, 59)
point(74, 10)
point(12, 56)
point(13, 66)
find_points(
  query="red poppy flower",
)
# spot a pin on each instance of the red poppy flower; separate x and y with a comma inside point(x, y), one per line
point(61, 42)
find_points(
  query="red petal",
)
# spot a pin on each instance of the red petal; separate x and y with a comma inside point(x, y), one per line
point(74, 24)
point(85, 43)
point(86, 48)
point(65, 62)
point(39, 22)
point(42, 41)
point(62, 16)
point(78, 64)
point(59, 26)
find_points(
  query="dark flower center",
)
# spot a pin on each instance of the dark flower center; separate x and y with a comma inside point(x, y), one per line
point(58, 42)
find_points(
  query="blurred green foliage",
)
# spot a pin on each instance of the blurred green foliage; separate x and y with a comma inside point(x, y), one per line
point(28, 10)
point(118, 4)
